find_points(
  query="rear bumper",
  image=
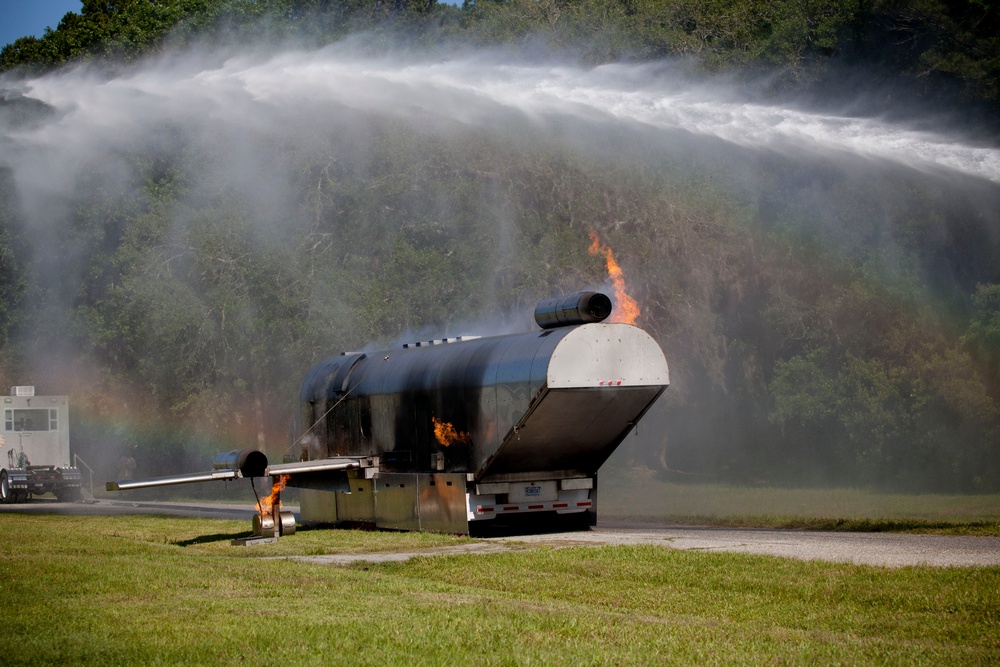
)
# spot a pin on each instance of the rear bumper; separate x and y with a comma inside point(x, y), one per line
point(43, 479)
point(483, 512)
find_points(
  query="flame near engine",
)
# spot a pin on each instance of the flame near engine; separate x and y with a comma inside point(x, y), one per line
point(626, 308)
point(265, 506)
point(448, 435)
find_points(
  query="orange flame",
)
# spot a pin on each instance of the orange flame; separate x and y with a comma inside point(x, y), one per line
point(447, 435)
point(266, 505)
point(626, 309)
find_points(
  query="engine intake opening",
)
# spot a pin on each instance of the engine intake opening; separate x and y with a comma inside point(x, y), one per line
point(563, 311)
point(250, 462)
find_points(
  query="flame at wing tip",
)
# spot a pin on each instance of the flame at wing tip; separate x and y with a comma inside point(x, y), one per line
point(626, 310)
point(266, 505)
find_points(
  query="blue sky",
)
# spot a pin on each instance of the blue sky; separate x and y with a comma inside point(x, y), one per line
point(20, 18)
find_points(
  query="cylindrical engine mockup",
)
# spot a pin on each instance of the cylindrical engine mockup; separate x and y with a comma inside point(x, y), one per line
point(582, 308)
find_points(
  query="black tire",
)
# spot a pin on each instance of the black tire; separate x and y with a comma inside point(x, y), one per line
point(70, 495)
point(5, 496)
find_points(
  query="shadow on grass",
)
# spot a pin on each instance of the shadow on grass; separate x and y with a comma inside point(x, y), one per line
point(209, 539)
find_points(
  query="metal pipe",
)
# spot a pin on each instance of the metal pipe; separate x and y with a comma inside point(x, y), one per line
point(249, 462)
point(76, 464)
point(320, 465)
point(582, 308)
point(235, 464)
point(125, 485)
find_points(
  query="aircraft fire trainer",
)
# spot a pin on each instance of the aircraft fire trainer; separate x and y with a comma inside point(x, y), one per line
point(458, 434)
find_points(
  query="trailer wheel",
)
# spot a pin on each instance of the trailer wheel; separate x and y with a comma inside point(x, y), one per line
point(70, 495)
point(4, 488)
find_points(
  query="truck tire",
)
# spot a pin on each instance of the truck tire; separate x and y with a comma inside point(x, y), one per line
point(5, 496)
point(70, 495)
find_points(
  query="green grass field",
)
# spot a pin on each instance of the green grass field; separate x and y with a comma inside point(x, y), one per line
point(154, 590)
point(641, 495)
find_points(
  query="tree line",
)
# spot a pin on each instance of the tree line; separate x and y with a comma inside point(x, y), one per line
point(854, 341)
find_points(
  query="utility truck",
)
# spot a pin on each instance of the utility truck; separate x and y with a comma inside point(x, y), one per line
point(34, 448)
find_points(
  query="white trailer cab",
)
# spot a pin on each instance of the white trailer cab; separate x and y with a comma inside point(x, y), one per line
point(34, 454)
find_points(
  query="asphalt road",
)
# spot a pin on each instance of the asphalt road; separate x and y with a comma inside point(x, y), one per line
point(883, 549)
point(880, 549)
point(113, 507)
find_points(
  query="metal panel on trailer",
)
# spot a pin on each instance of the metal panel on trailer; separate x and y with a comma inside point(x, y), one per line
point(581, 427)
point(358, 505)
point(397, 501)
point(317, 506)
point(442, 503)
point(605, 355)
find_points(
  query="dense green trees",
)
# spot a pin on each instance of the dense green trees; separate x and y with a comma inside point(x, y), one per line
point(104, 29)
point(823, 323)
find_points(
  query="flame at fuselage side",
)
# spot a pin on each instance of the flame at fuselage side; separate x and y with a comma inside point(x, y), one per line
point(447, 435)
point(266, 505)
point(627, 309)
